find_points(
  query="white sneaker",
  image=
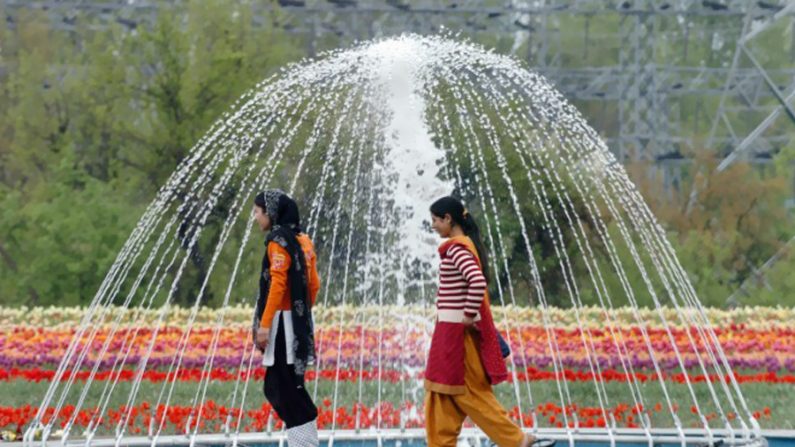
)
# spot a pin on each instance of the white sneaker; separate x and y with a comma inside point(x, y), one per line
point(303, 435)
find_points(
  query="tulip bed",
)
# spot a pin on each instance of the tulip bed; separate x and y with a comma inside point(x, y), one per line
point(369, 371)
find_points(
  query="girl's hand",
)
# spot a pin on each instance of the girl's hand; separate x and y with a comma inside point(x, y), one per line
point(261, 340)
point(469, 323)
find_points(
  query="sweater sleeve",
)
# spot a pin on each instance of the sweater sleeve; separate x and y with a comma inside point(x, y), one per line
point(467, 264)
point(279, 264)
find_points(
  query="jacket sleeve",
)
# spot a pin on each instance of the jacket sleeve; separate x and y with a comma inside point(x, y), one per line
point(279, 264)
point(313, 279)
point(468, 265)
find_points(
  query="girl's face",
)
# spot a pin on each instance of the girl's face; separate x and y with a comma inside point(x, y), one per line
point(442, 225)
point(263, 220)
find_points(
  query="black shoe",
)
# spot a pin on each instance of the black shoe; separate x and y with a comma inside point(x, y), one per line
point(536, 443)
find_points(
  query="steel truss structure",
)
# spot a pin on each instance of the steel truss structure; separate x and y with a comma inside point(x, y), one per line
point(677, 69)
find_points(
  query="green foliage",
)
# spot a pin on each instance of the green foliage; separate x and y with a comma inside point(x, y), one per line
point(724, 225)
point(93, 122)
point(55, 254)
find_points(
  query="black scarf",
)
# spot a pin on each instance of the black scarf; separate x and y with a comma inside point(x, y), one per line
point(285, 233)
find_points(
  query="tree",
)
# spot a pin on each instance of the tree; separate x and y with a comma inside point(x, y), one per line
point(93, 121)
point(723, 224)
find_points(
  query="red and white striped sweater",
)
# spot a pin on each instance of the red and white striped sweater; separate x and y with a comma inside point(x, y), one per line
point(462, 286)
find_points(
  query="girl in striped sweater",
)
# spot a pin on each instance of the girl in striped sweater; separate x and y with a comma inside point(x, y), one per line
point(465, 359)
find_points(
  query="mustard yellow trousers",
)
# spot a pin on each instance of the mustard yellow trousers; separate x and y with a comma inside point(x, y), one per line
point(445, 413)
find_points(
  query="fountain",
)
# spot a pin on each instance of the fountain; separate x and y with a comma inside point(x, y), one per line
point(366, 139)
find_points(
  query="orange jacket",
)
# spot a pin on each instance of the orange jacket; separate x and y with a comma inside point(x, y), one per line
point(279, 293)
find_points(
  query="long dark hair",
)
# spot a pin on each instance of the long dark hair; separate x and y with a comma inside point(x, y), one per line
point(460, 215)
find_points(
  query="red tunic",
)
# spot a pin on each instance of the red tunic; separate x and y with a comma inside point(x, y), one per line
point(444, 372)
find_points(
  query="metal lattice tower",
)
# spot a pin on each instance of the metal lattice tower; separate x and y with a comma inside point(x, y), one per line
point(679, 70)
point(639, 123)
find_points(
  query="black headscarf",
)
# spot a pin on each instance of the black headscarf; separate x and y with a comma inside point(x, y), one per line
point(283, 212)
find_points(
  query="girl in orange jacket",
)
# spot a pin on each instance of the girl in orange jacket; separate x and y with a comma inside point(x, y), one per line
point(283, 328)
